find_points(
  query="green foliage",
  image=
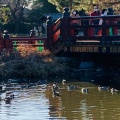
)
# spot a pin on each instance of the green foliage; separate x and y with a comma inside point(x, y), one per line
point(24, 27)
point(44, 6)
point(13, 11)
point(5, 14)
point(87, 5)
point(60, 4)
point(9, 27)
point(40, 7)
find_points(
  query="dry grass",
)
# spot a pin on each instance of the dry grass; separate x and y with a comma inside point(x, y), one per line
point(27, 62)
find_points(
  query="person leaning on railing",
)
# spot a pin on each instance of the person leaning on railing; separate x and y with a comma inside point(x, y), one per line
point(104, 13)
point(75, 22)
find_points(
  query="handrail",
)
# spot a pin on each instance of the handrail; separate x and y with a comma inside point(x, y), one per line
point(56, 30)
point(94, 17)
point(24, 39)
point(93, 26)
point(57, 21)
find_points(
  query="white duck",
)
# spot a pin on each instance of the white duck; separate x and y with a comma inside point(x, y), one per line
point(63, 81)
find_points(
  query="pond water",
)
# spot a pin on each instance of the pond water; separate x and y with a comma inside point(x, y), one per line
point(40, 104)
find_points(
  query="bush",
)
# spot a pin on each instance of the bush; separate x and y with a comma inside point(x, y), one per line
point(29, 63)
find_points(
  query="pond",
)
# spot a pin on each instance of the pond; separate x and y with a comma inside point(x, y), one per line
point(39, 104)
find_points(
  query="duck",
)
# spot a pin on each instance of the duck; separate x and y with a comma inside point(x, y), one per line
point(63, 81)
point(55, 86)
point(114, 90)
point(10, 94)
point(102, 88)
point(84, 90)
point(71, 87)
point(55, 93)
point(8, 100)
point(31, 85)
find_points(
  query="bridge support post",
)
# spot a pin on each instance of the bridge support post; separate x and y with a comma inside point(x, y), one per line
point(65, 25)
point(7, 41)
point(49, 42)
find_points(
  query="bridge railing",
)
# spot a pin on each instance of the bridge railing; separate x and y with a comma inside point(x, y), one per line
point(109, 30)
point(53, 32)
point(10, 43)
point(62, 30)
point(56, 30)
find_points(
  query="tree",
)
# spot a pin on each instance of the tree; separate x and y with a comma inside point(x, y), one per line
point(45, 6)
point(5, 14)
point(16, 8)
point(60, 4)
point(85, 4)
point(38, 8)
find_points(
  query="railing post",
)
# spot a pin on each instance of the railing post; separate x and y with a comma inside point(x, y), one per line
point(65, 25)
point(32, 35)
point(7, 41)
point(49, 42)
point(104, 29)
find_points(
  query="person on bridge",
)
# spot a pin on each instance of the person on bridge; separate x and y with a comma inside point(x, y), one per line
point(75, 22)
point(104, 13)
point(112, 21)
point(96, 12)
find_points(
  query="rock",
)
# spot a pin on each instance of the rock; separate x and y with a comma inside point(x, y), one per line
point(87, 65)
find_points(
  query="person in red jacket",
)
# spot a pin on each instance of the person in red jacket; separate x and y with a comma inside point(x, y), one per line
point(96, 12)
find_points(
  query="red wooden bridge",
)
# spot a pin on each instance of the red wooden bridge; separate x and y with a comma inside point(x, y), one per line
point(60, 36)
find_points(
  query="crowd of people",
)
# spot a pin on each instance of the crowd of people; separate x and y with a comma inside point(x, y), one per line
point(99, 21)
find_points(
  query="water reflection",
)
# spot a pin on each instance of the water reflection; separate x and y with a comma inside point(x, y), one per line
point(39, 103)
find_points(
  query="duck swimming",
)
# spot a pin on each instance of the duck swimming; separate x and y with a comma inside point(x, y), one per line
point(114, 90)
point(8, 100)
point(71, 87)
point(55, 93)
point(55, 86)
point(84, 90)
point(100, 88)
point(10, 94)
point(63, 81)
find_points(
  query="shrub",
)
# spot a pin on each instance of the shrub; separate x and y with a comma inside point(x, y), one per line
point(27, 62)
